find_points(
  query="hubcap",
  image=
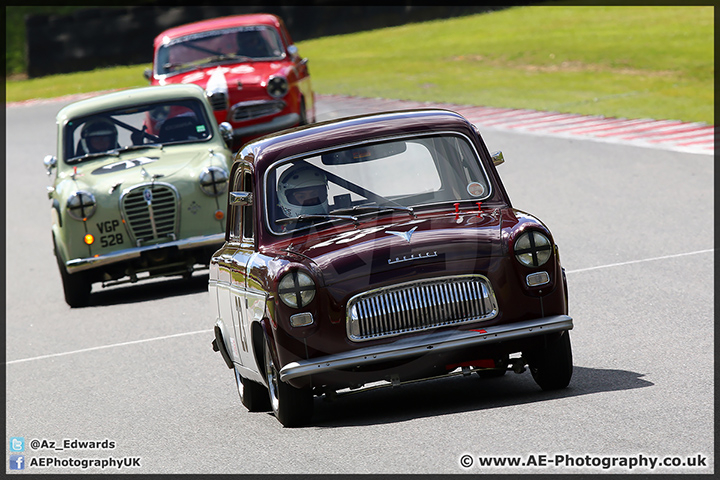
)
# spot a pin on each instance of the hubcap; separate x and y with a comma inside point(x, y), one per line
point(272, 380)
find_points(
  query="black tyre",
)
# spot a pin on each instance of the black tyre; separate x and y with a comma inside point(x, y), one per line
point(253, 395)
point(292, 406)
point(76, 286)
point(551, 364)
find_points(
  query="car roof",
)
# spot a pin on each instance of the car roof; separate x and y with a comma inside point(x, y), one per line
point(217, 24)
point(361, 128)
point(132, 96)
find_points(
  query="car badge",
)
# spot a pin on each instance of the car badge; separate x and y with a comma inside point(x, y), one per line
point(405, 235)
point(147, 195)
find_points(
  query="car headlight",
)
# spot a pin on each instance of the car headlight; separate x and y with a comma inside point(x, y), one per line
point(532, 249)
point(296, 289)
point(277, 87)
point(213, 181)
point(81, 205)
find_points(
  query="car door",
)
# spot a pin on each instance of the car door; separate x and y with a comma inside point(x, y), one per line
point(240, 301)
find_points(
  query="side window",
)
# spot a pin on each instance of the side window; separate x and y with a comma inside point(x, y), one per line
point(248, 225)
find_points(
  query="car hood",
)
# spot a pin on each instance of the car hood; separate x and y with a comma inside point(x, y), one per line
point(411, 244)
point(170, 165)
point(219, 77)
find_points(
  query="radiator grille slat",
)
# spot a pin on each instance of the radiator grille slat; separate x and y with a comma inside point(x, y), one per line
point(153, 220)
point(256, 109)
point(416, 306)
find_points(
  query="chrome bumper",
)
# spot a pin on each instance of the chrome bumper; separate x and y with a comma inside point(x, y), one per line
point(274, 125)
point(80, 264)
point(434, 343)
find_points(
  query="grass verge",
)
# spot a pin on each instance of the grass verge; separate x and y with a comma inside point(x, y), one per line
point(617, 61)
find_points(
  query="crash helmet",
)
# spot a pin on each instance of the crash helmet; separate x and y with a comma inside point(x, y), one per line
point(303, 189)
point(98, 128)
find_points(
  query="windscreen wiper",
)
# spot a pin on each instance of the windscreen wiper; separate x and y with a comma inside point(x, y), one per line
point(130, 148)
point(88, 156)
point(301, 218)
point(375, 208)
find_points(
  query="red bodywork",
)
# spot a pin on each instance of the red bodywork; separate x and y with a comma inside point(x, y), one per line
point(242, 84)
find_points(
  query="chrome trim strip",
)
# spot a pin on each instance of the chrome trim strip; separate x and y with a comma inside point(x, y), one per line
point(80, 264)
point(420, 345)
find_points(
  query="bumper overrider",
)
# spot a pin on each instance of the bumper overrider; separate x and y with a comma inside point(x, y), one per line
point(80, 264)
point(435, 343)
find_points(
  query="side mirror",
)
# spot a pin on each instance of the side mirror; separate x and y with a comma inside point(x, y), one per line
point(50, 162)
point(293, 51)
point(147, 73)
point(243, 199)
point(226, 130)
point(497, 158)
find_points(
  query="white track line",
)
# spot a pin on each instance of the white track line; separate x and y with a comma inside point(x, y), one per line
point(640, 261)
point(135, 342)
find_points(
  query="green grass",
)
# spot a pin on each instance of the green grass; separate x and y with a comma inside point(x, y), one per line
point(634, 62)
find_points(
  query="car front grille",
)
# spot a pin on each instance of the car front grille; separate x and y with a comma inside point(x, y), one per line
point(416, 306)
point(218, 100)
point(151, 212)
point(255, 109)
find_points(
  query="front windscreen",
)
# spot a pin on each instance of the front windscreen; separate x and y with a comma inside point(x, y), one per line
point(240, 44)
point(367, 180)
point(166, 123)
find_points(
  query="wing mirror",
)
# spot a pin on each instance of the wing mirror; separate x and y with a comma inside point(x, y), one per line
point(50, 162)
point(226, 130)
point(243, 199)
point(147, 73)
point(497, 158)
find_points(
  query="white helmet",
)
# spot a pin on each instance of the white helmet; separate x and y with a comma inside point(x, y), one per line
point(303, 190)
point(100, 127)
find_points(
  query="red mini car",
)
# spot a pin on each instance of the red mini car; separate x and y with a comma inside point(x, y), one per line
point(381, 248)
point(249, 67)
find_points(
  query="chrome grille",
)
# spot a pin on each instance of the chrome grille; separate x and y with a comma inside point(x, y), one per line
point(255, 109)
point(151, 216)
point(416, 306)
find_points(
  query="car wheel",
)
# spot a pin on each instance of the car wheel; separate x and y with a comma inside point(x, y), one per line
point(253, 395)
point(76, 286)
point(291, 406)
point(551, 365)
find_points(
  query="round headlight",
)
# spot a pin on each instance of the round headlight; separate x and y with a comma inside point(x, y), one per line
point(296, 289)
point(81, 205)
point(532, 249)
point(277, 87)
point(213, 181)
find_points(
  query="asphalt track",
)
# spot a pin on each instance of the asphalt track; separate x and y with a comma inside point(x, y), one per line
point(634, 221)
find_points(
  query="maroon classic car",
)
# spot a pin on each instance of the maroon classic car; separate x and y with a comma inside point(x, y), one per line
point(247, 64)
point(381, 248)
